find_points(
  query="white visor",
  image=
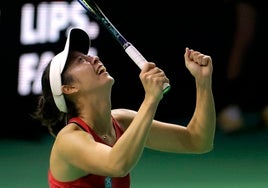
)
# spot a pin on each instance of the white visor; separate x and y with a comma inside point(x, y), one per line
point(77, 40)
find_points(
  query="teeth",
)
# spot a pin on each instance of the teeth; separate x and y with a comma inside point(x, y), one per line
point(102, 69)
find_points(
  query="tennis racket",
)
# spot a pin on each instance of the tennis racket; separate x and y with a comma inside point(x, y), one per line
point(94, 10)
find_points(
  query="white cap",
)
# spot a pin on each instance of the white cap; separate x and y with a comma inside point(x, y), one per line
point(77, 40)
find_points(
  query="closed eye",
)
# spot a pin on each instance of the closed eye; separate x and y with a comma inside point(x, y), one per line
point(83, 59)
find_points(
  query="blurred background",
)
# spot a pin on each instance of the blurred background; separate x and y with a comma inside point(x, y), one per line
point(32, 32)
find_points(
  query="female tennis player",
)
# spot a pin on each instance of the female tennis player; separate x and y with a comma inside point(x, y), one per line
point(96, 146)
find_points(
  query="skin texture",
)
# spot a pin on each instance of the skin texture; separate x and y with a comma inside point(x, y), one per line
point(75, 153)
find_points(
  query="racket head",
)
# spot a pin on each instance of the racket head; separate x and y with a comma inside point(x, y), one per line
point(96, 13)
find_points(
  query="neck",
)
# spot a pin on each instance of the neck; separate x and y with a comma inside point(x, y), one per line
point(97, 113)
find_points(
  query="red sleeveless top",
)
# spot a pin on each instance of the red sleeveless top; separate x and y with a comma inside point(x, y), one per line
point(91, 180)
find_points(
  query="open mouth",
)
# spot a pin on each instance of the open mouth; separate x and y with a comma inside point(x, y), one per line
point(101, 70)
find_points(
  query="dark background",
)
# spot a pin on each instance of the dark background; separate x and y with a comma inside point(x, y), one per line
point(159, 31)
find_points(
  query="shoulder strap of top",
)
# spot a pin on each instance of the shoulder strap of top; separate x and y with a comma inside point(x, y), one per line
point(78, 121)
point(119, 131)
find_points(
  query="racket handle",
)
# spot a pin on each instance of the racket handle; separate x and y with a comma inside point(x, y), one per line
point(138, 58)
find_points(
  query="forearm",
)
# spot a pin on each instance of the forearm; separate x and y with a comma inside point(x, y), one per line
point(203, 123)
point(130, 146)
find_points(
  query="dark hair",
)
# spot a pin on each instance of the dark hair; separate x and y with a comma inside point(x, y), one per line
point(47, 112)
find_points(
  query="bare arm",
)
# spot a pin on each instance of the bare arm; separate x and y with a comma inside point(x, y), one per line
point(129, 147)
point(198, 135)
point(203, 123)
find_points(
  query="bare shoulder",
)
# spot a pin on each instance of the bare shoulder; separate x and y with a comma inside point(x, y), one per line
point(72, 133)
point(124, 116)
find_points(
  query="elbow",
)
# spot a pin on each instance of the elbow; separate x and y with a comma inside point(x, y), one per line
point(120, 171)
point(205, 149)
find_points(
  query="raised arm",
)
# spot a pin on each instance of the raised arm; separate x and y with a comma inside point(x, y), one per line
point(203, 123)
point(198, 135)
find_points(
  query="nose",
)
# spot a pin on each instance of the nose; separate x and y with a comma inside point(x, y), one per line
point(94, 59)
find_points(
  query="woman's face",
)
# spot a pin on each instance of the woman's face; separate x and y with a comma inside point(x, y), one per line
point(88, 72)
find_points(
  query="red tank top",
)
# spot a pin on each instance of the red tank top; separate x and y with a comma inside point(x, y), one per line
point(91, 180)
